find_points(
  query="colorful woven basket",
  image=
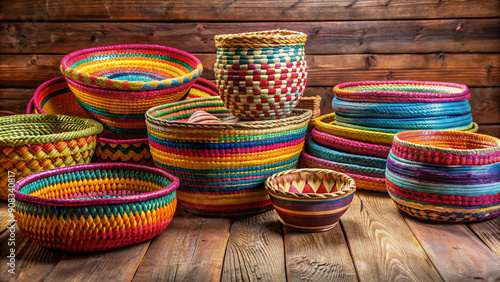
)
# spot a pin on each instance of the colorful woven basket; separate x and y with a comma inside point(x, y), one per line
point(310, 200)
point(256, 95)
point(95, 207)
point(133, 151)
point(367, 178)
point(445, 175)
point(32, 143)
point(401, 91)
point(222, 166)
point(132, 67)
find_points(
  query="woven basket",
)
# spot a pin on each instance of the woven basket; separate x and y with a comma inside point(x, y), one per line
point(223, 166)
point(95, 207)
point(445, 175)
point(132, 67)
point(310, 200)
point(32, 143)
point(261, 39)
point(366, 178)
point(401, 91)
point(326, 123)
point(133, 151)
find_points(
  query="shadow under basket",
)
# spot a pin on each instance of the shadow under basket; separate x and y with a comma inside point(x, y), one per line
point(95, 207)
point(310, 200)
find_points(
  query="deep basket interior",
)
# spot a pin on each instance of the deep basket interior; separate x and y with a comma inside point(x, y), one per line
point(406, 88)
point(95, 184)
point(459, 142)
point(309, 182)
point(39, 128)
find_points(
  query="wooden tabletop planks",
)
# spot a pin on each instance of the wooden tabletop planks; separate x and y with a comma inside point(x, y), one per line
point(382, 246)
point(191, 249)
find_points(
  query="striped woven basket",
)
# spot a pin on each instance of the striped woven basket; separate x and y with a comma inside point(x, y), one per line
point(445, 175)
point(32, 143)
point(310, 200)
point(95, 207)
point(222, 166)
point(203, 88)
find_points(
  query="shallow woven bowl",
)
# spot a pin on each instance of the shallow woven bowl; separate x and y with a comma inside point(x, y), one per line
point(445, 176)
point(310, 200)
point(131, 67)
point(32, 143)
point(223, 166)
point(95, 207)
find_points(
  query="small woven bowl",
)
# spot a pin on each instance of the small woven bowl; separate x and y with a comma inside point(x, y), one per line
point(32, 143)
point(445, 175)
point(310, 200)
point(133, 151)
point(95, 207)
point(131, 67)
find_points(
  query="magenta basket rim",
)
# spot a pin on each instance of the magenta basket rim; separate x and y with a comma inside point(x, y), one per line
point(92, 202)
point(66, 63)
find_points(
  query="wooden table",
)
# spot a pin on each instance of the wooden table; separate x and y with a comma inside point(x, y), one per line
point(374, 241)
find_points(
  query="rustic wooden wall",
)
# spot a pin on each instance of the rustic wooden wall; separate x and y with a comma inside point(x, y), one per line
point(454, 41)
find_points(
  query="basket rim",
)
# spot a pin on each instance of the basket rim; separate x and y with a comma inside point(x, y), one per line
point(298, 116)
point(125, 84)
point(92, 128)
point(121, 141)
point(351, 187)
point(93, 202)
point(260, 39)
point(399, 138)
point(39, 90)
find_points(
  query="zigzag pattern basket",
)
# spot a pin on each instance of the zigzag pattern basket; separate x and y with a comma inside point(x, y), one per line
point(134, 151)
point(445, 175)
point(95, 207)
point(223, 166)
point(32, 143)
point(310, 200)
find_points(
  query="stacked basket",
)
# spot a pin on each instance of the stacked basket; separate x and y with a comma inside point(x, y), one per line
point(445, 175)
point(356, 139)
point(261, 75)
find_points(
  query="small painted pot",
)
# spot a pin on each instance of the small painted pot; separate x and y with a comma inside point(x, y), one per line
point(310, 200)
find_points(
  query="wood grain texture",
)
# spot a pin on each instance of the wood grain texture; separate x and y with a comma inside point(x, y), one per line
point(493, 130)
point(190, 249)
point(382, 246)
point(255, 250)
point(455, 251)
point(409, 36)
point(33, 262)
point(324, 70)
point(489, 232)
point(242, 10)
point(114, 265)
point(320, 256)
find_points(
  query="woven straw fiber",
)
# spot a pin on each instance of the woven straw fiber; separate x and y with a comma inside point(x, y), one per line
point(133, 151)
point(203, 88)
point(310, 200)
point(445, 175)
point(95, 207)
point(32, 143)
point(131, 67)
point(222, 167)
point(261, 39)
